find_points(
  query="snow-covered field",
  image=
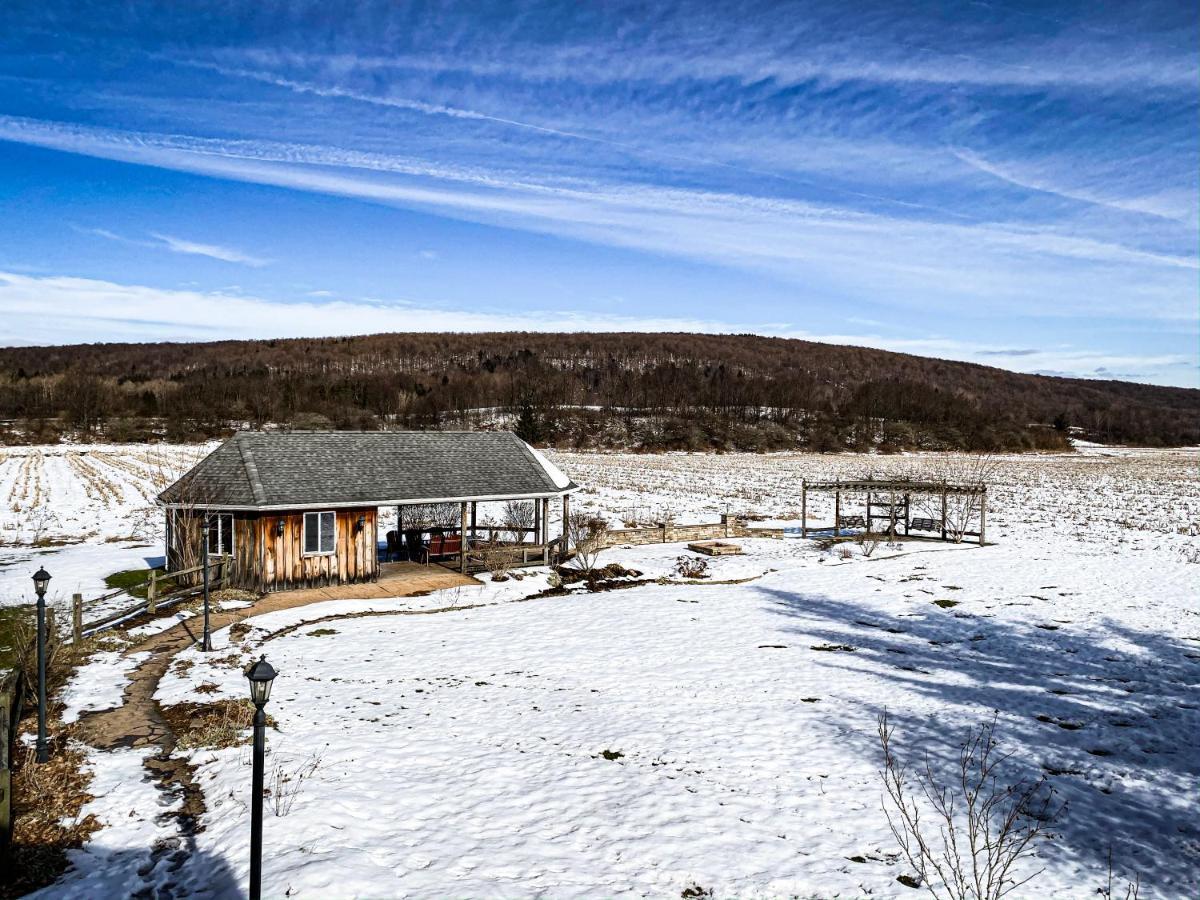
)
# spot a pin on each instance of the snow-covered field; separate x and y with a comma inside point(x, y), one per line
point(717, 736)
point(83, 511)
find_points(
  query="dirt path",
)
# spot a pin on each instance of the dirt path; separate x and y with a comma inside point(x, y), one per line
point(139, 722)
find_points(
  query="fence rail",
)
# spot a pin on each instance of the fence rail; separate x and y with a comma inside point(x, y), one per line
point(158, 595)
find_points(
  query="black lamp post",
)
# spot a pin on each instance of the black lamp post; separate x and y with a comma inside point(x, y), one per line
point(206, 525)
point(41, 578)
point(260, 674)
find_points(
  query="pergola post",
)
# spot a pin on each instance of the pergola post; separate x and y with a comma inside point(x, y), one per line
point(943, 514)
point(907, 501)
point(982, 515)
point(837, 513)
point(803, 508)
point(474, 520)
point(462, 541)
point(544, 534)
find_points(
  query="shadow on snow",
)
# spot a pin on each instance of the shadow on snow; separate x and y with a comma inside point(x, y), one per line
point(1114, 724)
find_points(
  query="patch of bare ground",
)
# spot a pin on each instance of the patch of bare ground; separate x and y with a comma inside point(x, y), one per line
point(211, 726)
point(48, 800)
point(52, 796)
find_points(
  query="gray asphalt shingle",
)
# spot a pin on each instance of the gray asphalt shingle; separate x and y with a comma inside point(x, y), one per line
point(275, 469)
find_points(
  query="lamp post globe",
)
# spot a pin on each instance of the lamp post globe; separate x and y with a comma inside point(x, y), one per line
point(41, 580)
point(260, 675)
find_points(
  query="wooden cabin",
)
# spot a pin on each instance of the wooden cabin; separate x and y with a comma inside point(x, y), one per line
point(301, 509)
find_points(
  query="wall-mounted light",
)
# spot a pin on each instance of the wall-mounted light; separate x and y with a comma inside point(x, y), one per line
point(279, 528)
point(362, 522)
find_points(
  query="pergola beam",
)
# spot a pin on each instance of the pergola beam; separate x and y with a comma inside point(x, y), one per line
point(905, 487)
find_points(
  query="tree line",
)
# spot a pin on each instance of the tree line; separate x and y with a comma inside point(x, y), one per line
point(642, 391)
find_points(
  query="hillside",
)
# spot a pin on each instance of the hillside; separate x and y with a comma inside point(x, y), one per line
point(645, 391)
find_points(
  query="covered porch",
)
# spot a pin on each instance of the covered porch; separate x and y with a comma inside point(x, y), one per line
point(464, 534)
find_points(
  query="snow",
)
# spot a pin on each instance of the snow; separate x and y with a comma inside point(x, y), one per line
point(99, 683)
point(83, 511)
point(556, 474)
point(640, 741)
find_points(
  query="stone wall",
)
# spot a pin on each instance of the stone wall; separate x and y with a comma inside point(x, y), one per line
point(670, 533)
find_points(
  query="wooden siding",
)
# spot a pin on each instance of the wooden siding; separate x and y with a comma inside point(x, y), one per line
point(282, 561)
point(265, 560)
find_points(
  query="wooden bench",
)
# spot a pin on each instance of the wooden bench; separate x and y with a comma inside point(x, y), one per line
point(442, 546)
point(924, 525)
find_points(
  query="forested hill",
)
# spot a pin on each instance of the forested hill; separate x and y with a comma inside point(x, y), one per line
point(645, 391)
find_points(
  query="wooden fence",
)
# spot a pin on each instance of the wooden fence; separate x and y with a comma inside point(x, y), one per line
point(11, 687)
point(162, 591)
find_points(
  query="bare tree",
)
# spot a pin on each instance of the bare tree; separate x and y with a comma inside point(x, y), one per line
point(962, 509)
point(980, 827)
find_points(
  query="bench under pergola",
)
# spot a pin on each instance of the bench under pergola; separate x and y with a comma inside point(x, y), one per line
point(890, 500)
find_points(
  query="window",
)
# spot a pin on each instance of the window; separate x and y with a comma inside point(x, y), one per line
point(220, 534)
point(320, 533)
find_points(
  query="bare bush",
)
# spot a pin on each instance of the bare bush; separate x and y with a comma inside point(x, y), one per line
point(518, 518)
point(1132, 888)
point(432, 515)
point(867, 542)
point(980, 827)
point(497, 557)
point(587, 535)
point(962, 510)
point(285, 783)
point(691, 567)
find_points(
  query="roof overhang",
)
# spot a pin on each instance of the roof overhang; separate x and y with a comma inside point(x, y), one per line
point(358, 504)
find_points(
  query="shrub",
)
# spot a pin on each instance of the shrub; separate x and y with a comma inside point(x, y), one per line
point(980, 827)
point(867, 542)
point(587, 535)
point(691, 567)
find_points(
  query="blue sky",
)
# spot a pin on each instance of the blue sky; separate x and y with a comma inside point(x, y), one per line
point(1012, 184)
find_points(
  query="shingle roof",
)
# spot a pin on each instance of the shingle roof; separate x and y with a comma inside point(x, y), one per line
point(340, 468)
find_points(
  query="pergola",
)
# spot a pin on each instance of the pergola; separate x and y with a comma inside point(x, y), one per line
point(891, 500)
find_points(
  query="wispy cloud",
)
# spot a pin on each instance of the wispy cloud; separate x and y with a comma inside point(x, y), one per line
point(919, 169)
point(180, 245)
point(901, 260)
point(213, 251)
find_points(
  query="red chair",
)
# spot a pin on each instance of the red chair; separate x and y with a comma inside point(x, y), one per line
point(442, 546)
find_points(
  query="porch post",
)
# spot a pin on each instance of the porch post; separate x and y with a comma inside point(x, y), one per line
point(474, 520)
point(462, 537)
point(544, 535)
point(566, 541)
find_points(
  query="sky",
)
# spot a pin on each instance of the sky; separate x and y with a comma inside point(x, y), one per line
point(1013, 184)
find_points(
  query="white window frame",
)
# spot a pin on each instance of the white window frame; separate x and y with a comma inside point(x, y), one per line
point(215, 527)
point(304, 534)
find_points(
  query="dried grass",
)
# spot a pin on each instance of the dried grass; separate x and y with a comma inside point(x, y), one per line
point(211, 726)
point(48, 800)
